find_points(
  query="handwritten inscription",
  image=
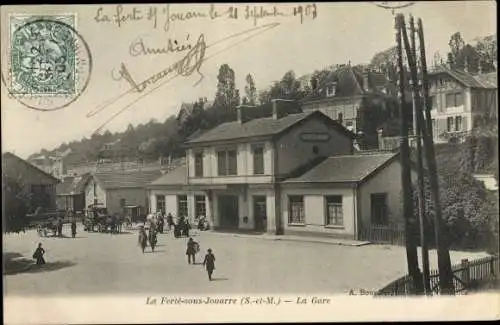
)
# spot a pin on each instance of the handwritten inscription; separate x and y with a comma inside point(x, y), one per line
point(139, 48)
point(185, 67)
point(190, 63)
point(165, 16)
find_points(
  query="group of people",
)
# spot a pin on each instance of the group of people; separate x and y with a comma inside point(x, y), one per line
point(192, 249)
point(57, 229)
point(209, 262)
point(144, 238)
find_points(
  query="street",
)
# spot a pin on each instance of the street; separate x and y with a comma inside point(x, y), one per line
point(98, 263)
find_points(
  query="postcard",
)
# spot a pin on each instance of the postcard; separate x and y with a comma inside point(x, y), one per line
point(249, 162)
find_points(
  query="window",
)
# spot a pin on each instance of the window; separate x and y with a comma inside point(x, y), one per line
point(200, 208)
point(454, 100)
point(334, 216)
point(315, 150)
point(340, 118)
point(433, 125)
point(123, 202)
point(198, 164)
point(182, 206)
point(331, 90)
point(296, 210)
point(227, 163)
point(160, 203)
point(258, 160)
point(458, 123)
point(449, 124)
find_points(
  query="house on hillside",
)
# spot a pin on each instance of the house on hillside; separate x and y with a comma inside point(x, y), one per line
point(119, 189)
point(187, 109)
point(345, 90)
point(460, 100)
point(38, 184)
point(71, 193)
point(284, 173)
point(53, 164)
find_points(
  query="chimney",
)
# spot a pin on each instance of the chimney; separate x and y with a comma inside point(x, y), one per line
point(480, 68)
point(243, 114)
point(466, 65)
point(449, 61)
point(366, 73)
point(275, 109)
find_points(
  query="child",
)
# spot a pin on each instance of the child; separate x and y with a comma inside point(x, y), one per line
point(209, 263)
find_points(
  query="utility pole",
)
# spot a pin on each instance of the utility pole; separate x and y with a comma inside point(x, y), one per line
point(417, 108)
point(446, 285)
point(411, 248)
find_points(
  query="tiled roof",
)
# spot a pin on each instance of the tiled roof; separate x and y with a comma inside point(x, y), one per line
point(349, 83)
point(258, 127)
point(467, 79)
point(124, 179)
point(488, 80)
point(19, 168)
point(344, 169)
point(178, 176)
point(72, 185)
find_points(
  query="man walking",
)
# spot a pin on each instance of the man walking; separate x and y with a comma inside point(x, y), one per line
point(209, 263)
point(192, 249)
point(73, 228)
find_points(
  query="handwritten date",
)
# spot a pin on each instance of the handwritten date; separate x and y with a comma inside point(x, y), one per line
point(164, 16)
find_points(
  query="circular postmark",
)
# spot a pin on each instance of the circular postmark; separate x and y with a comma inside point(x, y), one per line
point(393, 5)
point(49, 63)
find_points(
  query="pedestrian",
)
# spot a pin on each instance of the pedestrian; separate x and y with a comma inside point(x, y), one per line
point(170, 221)
point(192, 249)
point(152, 239)
point(143, 239)
point(38, 255)
point(209, 263)
point(59, 227)
point(73, 228)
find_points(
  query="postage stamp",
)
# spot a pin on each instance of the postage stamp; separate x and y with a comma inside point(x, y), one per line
point(49, 62)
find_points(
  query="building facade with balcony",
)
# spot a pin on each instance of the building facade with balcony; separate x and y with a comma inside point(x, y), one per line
point(293, 174)
point(460, 100)
point(345, 90)
point(233, 171)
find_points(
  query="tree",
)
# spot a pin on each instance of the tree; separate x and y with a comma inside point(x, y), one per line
point(486, 48)
point(226, 97)
point(456, 44)
point(250, 91)
point(384, 58)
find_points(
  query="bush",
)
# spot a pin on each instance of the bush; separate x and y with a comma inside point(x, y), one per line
point(469, 211)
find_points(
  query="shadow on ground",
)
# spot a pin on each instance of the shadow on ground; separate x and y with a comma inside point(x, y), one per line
point(15, 263)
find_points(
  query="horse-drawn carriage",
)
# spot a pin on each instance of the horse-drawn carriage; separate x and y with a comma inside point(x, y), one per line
point(98, 219)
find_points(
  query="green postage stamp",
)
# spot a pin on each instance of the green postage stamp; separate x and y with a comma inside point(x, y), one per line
point(50, 62)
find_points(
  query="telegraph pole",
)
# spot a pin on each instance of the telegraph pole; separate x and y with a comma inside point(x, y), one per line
point(446, 285)
point(411, 247)
point(417, 105)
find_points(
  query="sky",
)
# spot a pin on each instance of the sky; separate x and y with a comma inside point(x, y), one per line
point(340, 33)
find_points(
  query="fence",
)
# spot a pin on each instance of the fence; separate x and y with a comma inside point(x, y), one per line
point(466, 275)
point(392, 235)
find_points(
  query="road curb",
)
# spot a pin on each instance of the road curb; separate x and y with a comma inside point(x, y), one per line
point(305, 240)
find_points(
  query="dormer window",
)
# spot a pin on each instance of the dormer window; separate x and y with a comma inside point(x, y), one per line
point(331, 89)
